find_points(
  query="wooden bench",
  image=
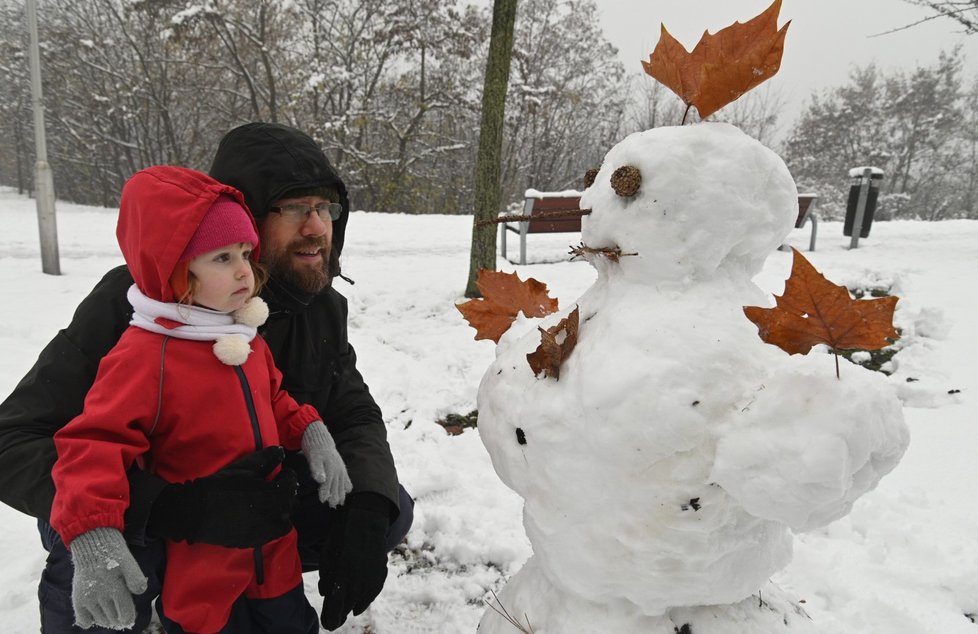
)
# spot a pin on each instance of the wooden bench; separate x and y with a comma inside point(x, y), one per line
point(534, 203)
point(806, 213)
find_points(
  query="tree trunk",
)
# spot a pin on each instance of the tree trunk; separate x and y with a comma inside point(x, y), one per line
point(483, 251)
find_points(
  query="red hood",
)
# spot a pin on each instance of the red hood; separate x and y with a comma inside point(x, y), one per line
point(160, 209)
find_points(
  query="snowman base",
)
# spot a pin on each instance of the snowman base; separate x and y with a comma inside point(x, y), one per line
point(538, 607)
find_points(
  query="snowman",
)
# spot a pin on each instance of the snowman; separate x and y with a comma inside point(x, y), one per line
point(664, 471)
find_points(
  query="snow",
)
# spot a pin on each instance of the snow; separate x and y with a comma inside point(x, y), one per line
point(857, 172)
point(901, 562)
point(567, 193)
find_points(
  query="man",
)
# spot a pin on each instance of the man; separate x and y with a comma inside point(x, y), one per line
point(288, 184)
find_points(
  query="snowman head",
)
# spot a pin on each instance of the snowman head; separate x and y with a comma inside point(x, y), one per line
point(691, 202)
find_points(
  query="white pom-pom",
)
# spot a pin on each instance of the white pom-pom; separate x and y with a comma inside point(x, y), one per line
point(232, 349)
point(253, 313)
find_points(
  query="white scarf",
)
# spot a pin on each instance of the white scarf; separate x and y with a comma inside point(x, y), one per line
point(231, 332)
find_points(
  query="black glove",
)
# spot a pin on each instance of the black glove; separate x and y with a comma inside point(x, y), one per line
point(236, 507)
point(353, 563)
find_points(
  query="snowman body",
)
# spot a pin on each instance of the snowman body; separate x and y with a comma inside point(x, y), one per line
point(641, 497)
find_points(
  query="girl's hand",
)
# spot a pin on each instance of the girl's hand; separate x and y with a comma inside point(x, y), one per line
point(325, 464)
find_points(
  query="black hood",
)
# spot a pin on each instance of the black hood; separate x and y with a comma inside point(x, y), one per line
point(265, 161)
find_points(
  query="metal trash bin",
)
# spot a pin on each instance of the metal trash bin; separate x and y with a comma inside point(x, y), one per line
point(871, 178)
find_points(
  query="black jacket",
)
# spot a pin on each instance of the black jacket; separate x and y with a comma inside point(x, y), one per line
point(307, 335)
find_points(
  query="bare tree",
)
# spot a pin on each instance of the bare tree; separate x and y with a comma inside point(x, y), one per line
point(652, 105)
point(756, 113)
point(964, 12)
point(16, 124)
point(483, 251)
point(124, 95)
point(387, 87)
point(251, 36)
point(568, 96)
point(390, 88)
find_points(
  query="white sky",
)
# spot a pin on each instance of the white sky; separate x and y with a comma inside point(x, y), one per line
point(826, 39)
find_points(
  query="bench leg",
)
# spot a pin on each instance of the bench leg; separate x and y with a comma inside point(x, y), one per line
point(502, 239)
point(809, 218)
point(524, 226)
point(523, 242)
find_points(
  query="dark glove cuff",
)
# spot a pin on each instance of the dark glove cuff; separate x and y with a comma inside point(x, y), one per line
point(372, 502)
point(176, 513)
point(144, 489)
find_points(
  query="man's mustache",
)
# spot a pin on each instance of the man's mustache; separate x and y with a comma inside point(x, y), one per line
point(310, 243)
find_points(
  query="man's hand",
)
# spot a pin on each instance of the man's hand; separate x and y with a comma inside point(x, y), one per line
point(353, 564)
point(236, 507)
point(105, 578)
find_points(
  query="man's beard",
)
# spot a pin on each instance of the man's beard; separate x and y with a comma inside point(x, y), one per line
point(306, 279)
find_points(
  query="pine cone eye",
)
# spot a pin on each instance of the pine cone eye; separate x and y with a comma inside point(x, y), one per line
point(589, 177)
point(626, 180)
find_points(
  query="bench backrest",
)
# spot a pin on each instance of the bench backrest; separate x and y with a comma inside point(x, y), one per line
point(554, 225)
point(804, 203)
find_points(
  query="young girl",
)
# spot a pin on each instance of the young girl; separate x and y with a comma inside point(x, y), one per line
point(189, 388)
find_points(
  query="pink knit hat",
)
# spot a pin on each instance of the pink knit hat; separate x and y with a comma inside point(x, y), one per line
point(226, 222)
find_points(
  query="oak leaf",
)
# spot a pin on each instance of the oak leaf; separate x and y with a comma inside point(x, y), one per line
point(813, 310)
point(504, 296)
point(556, 344)
point(723, 66)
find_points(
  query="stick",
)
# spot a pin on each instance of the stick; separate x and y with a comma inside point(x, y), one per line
point(540, 215)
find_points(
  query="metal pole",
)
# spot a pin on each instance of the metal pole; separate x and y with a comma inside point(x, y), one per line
point(857, 222)
point(43, 179)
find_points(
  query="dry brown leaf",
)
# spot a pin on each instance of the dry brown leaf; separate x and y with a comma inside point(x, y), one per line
point(504, 296)
point(813, 310)
point(723, 66)
point(556, 344)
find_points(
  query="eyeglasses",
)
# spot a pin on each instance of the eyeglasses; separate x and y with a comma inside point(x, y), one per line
point(299, 212)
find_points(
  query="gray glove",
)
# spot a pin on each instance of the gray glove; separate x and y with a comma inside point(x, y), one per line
point(325, 464)
point(106, 577)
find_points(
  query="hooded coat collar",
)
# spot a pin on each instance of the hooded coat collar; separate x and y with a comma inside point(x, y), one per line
point(284, 297)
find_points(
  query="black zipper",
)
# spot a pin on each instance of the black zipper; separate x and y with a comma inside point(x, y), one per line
point(256, 431)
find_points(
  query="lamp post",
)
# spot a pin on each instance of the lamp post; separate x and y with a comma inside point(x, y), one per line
point(43, 179)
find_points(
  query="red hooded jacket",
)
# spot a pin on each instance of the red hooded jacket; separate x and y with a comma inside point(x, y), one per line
point(172, 404)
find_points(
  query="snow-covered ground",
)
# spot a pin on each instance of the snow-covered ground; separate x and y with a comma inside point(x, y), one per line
point(903, 562)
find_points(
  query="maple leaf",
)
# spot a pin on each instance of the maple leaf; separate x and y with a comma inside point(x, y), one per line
point(813, 310)
point(504, 296)
point(723, 66)
point(554, 348)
